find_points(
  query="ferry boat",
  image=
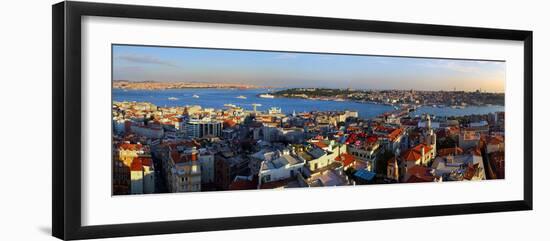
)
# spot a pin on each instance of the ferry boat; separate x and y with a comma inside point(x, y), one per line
point(241, 97)
point(195, 96)
point(267, 96)
point(173, 98)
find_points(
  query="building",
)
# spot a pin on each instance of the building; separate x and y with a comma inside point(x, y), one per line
point(459, 167)
point(227, 166)
point(284, 167)
point(128, 151)
point(271, 134)
point(421, 174)
point(346, 159)
point(496, 160)
point(366, 151)
point(363, 176)
point(119, 125)
point(480, 126)
point(451, 151)
point(429, 137)
point(495, 144)
point(392, 169)
point(206, 160)
point(142, 176)
point(418, 156)
point(184, 172)
point(121, 178)
point(389, 137)
point(328, 178)
point(321, 154)
point(257, 158)
point(204, 127)
point(152, 132)
point(468, 139)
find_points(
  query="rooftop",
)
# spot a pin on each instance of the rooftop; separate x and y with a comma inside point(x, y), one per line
point(282, 161)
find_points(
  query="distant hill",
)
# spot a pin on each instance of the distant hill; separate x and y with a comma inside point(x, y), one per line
point(154, 85)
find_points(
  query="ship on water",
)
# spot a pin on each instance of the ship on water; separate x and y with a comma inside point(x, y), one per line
point(173, 98)
point(267, 96)
point(195, 96)
point(241, 97)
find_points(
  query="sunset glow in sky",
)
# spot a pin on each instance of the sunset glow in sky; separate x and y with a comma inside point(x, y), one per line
point(285, 69)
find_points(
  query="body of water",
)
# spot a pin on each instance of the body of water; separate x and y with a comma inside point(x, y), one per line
point(217, 98)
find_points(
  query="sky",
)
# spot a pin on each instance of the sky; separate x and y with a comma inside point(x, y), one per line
point(289, 69)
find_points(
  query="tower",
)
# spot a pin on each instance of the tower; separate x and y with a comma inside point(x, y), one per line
point(429, 135)
point(428, 122)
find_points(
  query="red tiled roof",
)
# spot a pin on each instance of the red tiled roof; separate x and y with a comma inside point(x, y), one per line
point(320, 144)
point(416, 179)
point(411, 155)
point(419, 174)
point(415, 153)
point(136, 165)
point(419, 148)
point(345, 158)
point(128, 146)
point(450, 151)
point(395, 133)
point(139, 162)
point(146, 161)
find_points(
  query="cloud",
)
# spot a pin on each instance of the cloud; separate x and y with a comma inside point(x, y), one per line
point(146, 59)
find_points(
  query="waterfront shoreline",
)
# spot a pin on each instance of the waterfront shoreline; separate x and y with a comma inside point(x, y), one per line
point(218, 98)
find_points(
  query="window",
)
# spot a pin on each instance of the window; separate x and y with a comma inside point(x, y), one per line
point(267, 178)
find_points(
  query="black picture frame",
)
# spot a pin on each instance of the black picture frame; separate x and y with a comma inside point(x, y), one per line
point(66, 75)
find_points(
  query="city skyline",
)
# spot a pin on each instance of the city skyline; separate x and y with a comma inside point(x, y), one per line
point(290, 69)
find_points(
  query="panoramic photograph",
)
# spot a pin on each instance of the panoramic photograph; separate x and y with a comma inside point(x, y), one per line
point(202, 119)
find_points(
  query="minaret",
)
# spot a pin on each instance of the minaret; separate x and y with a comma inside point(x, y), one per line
point(430, 137)
point(428, 122)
